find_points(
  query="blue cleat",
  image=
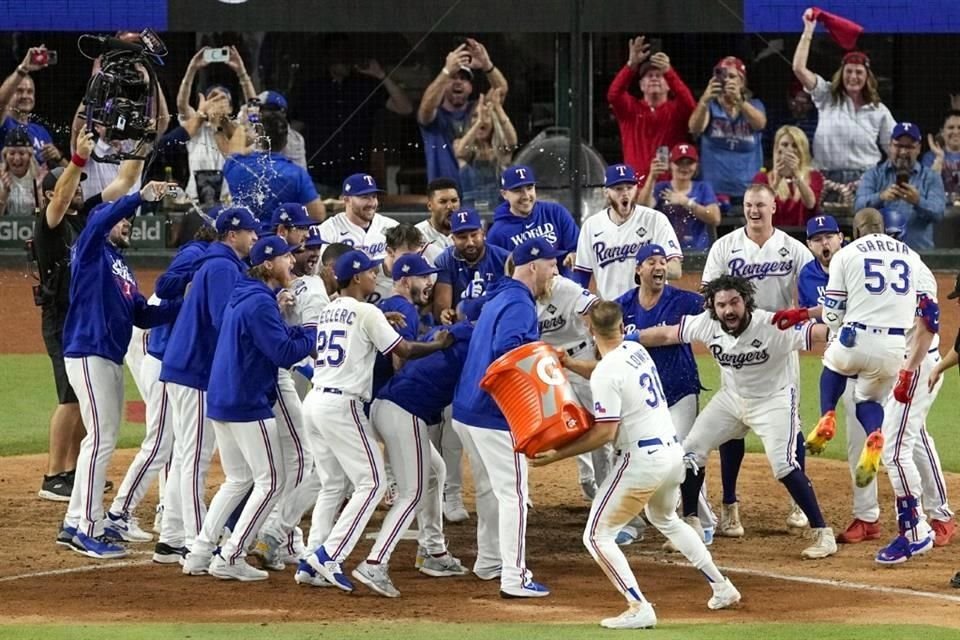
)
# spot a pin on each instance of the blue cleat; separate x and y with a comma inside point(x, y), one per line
point(901, 550)
point(329, 569)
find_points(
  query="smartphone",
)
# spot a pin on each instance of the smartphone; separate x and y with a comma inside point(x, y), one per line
point(174, 191)
point(220, 54)
point(663, 155)
point(656, 45)
point(903, 177)
point(720, 75)
point(45, 57)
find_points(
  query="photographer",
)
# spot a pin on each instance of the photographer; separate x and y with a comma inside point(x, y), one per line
point(904, 185)
point(17, 99)
point(54, 233)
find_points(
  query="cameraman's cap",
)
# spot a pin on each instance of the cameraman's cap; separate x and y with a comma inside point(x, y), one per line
point(684, 151)
point(906, 129)
point(821, 224)
point(956, 290)
point(619, 174)
point(412, 264)
point(236, 219)
point(360, 184)
point(50, 180)
point(649, 250)
point(516, 177)
point(465, 219)
point(353, 262)
point(292, 215)
point(269, 248)
point(17, 137)
point(273, 99)
point(534, 249)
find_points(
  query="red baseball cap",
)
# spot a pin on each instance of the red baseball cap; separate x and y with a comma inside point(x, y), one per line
point(856, 57)
point(735, 62)
point(684, 150)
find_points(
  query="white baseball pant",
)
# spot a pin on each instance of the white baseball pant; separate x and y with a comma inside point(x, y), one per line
point(683, 412)
point(334, 489)
point(136, 353)
point(866, 505)
point(446, 440)
point(875, 360)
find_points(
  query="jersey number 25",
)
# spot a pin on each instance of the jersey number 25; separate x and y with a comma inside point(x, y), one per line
point(877, 276)
point(330, 348)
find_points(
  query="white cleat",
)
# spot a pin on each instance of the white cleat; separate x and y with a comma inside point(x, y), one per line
point(125, 527)
point(453, 509)
point(730, 526)
point(724, 595)
point(797, 518)
point(824, 545)
point(239, 570)
point(377, 578)
point(638, 616)
point(196, 563)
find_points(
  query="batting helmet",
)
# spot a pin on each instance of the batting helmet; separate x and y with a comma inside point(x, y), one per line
point(894, 224)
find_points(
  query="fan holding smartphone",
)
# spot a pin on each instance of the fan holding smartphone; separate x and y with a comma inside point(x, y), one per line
point(19, 93)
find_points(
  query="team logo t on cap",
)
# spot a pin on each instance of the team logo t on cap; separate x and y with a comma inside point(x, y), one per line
point(619, 174)
point(291, 214)
point(269, 248)
point(353, 262)
point(465, 220)
point(314, 241)
point(534, 249)
point(683, 151)
point(360, 184)
point(516, 177)
point(649, 250)
point(906, 129)
point(412, 264)
point(821, 224)
point(236, 219)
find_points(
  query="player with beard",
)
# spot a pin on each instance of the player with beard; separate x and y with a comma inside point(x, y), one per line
point(443, 198)
point(401, 240)
point(359, 224)
point(757, 392)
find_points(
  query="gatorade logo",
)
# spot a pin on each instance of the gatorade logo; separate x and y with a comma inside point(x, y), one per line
point(548, 370)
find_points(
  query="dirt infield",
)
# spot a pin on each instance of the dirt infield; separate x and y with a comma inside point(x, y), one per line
point(581, 593)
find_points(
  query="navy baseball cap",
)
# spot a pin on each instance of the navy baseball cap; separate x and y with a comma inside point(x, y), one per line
point(291, 214)
point(237, 219)
point(619, 174)
point(649, 250)
point(314, 241)
point(822, 224)
point(894, 224)
point(534, 249)
point(465, 220)
point(360, 184)
point(412, 264)
point(272, 99)
point(906, 129)
point(353, 262)
point(269, 248)
point(516, 177)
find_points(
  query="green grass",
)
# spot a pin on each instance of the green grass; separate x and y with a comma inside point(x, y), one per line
point(403, 630)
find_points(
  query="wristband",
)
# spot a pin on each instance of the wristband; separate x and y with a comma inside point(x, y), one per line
point(23, 73)
point(78, 160)
point(490, 70)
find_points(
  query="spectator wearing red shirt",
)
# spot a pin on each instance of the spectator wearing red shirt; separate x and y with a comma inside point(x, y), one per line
point(660, 117)
point(797, 186)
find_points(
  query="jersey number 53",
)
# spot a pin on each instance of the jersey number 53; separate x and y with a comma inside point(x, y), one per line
point(878, 276)
point(330, 348)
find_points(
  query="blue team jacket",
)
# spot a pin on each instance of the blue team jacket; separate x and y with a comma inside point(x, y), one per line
point(254, 342)
point(508, 320)
point(548, 219)
point(105, 301)
point(171, 285)
point(193, 339)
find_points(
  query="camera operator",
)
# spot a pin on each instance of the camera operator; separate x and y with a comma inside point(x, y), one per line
point(17, 99)
point(54, 233)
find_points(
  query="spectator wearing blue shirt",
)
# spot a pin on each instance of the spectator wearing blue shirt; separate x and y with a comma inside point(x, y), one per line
point(944, 155)
point(17, 100)
point(730, 124)
point(468, 268)
point(262, 179)
point(446, 108)
point(904, 185)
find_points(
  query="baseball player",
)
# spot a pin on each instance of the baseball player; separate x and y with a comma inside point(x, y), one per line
point(757, 391)
point(443, 198)
point(631, 412)
point(401, 240)
point(349, 334)
point(610, 239)
point(253, 343)
point(772, 261)
point(291, 222)
point(105, 303)
point(522, 217)
point(656, 303)
point(186, 372)
point(359, 225)
point(508, 320)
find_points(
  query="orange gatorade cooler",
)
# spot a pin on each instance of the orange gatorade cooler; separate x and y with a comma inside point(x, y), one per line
point(531, 388)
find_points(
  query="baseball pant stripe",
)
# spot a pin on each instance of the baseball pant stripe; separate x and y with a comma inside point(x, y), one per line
point(376, 482)
point(521, 505)
point(296, 438)
point(88, 382)
point(149, 460)
point(901, 432)
point(792, 441)
point(602, 559)
point(934, 467)
point(267, 498)
point(404, 522)
point(197, 457)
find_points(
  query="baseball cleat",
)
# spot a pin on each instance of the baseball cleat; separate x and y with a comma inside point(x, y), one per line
point(442, 566)
point(860, 530)
point(164, 553)
point(126, 528)
point(589, 490)
point(902, 549)
point(724, 595)
point(955, 582)
point(377, 578)
point(729, 525)
point(453, 509)
point(306, 575)
point(65, 537)
point(797, 518)
point(100, 547)
point(943, 531)
point(239, 570)
point(640, 615)
point(329, 569)
point(826, 428)
point(824, 545)
point(869, 463)
point(196, 563)
point(628, 535)
point(529, 589)
point(56, 488)
point(267, 549)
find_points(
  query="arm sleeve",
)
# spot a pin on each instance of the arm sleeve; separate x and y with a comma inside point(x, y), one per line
point(569, 231)
point(285, 346)
point(666, 237)
point(514, 329)
point(584, 262)
point(685, 101)
point(714, 267)
point(836, 288)
point(868, 192)
point(173, 138)
point(147, 315)
point(933, 199)
point(606, 398)
point(887, 123)
point(222, 280)
point(622, 103)
point(444, 262)
point(312, 302)
point(695, 328)
point(173, 282)
point(90, 242)
point(384, 337)
point(707, 195)
point(820, 94)
point(692, 304)
point(584, 299)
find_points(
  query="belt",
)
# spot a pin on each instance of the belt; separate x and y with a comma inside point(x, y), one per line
point(572, 350)
point(340, 392)
point(331, 390)
point(889, 332)
point(652, 442)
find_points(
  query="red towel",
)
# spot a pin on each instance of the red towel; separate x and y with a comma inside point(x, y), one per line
point(844, 32)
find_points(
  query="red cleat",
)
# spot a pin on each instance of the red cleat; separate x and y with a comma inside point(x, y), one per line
point(860, 530)
point(943, 531)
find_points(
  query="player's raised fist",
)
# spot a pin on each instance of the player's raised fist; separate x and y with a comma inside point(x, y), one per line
point(786, 318)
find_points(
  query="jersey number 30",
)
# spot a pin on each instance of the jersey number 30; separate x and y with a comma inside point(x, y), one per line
point(330, 348)
point(877, 276)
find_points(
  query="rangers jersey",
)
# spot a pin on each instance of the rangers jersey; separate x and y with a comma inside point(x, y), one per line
point(560, 316)
point(369, 240)
point(435, 241)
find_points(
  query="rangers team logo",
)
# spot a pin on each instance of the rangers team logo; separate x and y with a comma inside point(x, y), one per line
point(739, 360)
point(598, 409)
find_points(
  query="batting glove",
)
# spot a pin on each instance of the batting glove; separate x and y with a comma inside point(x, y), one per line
point(690, 462)
point(786, 318)
point(903, 390)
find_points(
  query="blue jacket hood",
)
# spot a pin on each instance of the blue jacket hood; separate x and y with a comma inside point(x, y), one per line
point(221, 250)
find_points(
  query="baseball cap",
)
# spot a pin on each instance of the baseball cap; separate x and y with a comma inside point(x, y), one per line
point(466, 72)
point(894, 224)
point(314, 241)
point(735, 62)
point(353, 262)
point(269, 248)
point(466, 219)
point(906, 129)
point(50, 180)
point(619, 174)
point(412, 264)
point(517, 176)
point(953, 295)
point(272, 99)
point(17, 137)
point(856, 57)
point(236, 219)
point(822, 224)
point(684, 150)
point(291, 214)
point(649, 250)
point(534, 249)
point(360, 184)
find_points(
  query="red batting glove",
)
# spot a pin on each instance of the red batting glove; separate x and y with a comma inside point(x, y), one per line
point(786, 318)
point(903, 390)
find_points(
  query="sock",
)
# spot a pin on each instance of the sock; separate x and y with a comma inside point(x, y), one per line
point(801, 452)
point(731, 457)
point(832, 385)
point(870, 415)
point(690, 492)
point(801, 490)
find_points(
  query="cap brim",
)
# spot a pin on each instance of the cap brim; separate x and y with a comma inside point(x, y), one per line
point(467, 228)
point(364, 192)
point(519, 184)
point(820, 232)
point(610, 185)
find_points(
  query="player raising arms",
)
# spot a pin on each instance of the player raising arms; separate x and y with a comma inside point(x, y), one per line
point(632, 413)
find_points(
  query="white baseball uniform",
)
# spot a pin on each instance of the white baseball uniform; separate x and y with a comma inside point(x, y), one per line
point(384, 286)
point(436, 241)
point(370, 240)
point(609, 251)
point(648, 468)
